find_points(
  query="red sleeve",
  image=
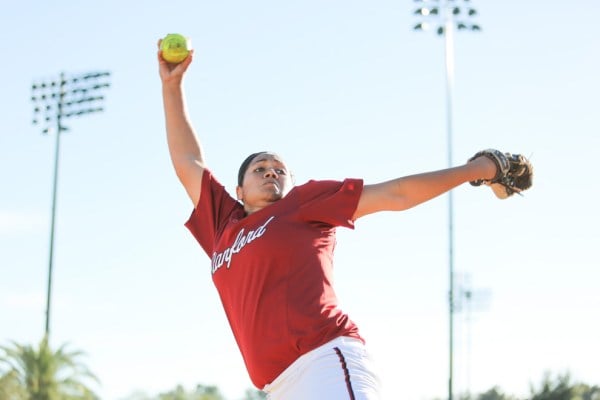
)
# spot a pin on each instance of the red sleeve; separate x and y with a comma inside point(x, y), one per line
point(214, 208)
point(331, 202)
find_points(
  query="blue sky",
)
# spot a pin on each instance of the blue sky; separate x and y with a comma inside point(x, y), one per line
point(340, 89)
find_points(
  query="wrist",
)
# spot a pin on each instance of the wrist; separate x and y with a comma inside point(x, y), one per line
point(494, 165)
point(172, 87)
point(487, 169)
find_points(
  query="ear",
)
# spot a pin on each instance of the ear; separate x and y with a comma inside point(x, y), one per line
point(239, 192)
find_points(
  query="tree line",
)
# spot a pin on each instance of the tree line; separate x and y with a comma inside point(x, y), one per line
point(41, 373)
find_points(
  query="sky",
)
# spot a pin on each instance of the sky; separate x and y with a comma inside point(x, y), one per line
point(339, 89)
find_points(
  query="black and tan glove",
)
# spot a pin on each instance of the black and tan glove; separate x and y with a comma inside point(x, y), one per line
point(514, 173)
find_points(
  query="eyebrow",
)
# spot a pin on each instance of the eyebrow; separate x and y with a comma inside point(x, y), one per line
point(262, 159)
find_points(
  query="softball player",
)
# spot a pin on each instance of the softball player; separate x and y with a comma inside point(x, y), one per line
point(271, 249)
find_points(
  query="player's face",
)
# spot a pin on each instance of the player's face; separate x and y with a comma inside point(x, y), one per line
point(266, 180)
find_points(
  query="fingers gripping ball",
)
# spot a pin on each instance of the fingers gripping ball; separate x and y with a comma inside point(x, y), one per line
point(175, 48)
point(514, 173)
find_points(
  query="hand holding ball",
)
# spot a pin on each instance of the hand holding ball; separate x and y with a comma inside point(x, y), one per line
point(175, 48)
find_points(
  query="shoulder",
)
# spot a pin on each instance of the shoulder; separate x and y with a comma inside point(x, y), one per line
point(319, 187)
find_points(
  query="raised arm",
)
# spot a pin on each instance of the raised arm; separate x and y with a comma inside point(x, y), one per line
point(184, 148)
point(409, 191)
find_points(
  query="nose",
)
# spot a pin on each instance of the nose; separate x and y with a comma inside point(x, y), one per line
point(271, 173)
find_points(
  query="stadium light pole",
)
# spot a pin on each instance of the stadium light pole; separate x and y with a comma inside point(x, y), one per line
point(448, 15)
point(469, 301)
point(54, 101)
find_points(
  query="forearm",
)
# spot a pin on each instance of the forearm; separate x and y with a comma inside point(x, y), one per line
point(412, 190)
point(184, 147)
point(409, 191)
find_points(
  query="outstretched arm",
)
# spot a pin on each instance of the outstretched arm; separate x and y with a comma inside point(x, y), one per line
point(184, 148)
point(409, 191)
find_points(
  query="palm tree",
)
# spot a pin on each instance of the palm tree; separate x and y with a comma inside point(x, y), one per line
point(27, 373)
point(10, 388)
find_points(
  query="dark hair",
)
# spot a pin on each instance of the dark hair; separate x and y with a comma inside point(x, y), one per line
point(245, 165)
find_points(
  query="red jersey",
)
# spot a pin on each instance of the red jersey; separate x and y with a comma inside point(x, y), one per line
point(273, 269)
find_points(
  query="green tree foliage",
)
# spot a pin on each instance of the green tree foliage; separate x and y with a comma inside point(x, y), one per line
point(551, 388)
point(201, 392)
point(10, 387)
point(29, 373)
point(252, 394)
point(492, 394)
point(558, 389)
point(561, 388)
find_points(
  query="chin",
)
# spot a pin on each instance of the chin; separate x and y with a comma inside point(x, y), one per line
point(276, 196)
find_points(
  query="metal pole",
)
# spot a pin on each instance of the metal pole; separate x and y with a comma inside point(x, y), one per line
point(448, 9)
point(53, 212)
point(54, 101)
point(449, 55)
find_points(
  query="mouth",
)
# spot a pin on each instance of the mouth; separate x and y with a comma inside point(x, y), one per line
point(272, 183)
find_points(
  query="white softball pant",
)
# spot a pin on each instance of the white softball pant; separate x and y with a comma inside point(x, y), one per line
point(338, 370)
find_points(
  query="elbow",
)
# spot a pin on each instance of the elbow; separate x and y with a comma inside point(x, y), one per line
point(188, 171)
